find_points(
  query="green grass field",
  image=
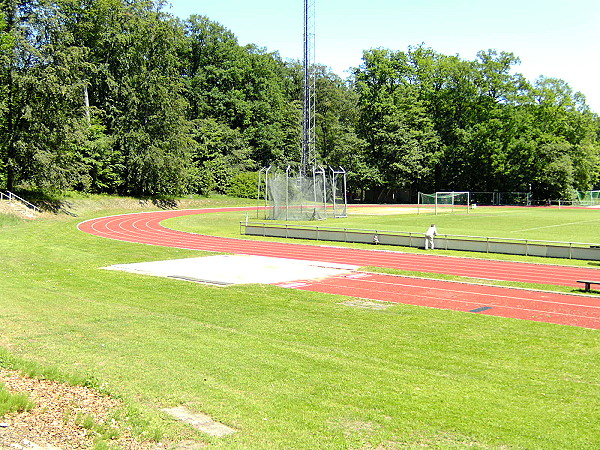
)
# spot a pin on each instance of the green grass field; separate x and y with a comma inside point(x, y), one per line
point(13, 402)
point(288, 369)
point(566, 225)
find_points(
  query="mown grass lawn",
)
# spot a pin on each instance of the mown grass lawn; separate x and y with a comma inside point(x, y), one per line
point(291, 369)
point(549, 224)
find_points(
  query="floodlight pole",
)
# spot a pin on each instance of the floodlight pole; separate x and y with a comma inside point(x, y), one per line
point(308, 109)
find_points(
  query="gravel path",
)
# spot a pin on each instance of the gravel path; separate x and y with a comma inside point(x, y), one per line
point(54, 421)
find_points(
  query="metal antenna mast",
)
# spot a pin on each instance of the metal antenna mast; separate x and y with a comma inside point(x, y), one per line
point(309, 156)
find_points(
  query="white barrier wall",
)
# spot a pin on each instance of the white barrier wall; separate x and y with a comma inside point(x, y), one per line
point(568, 250)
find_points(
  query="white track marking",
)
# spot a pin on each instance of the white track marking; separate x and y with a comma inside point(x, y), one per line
point(555, 226)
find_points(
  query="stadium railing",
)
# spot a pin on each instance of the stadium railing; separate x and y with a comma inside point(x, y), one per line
point(14, 197)
point(525, 247)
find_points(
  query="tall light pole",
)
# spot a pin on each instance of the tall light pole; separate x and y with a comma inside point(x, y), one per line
point(309, 157)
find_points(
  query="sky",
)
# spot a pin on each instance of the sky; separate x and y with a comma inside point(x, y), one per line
point(559, 39)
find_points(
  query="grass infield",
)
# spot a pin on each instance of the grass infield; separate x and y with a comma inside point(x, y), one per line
point(551, 224)
point(286, 368)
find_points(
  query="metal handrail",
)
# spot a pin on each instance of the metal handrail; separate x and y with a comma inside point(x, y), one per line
point(10, 196)
point(410, 234)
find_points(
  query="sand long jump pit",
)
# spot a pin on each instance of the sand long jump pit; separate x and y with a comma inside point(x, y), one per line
point(224, 270)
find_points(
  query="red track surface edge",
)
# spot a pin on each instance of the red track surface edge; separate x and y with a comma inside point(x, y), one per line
point(565, 309)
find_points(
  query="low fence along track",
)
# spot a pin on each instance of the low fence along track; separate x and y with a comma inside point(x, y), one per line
point(509, 246)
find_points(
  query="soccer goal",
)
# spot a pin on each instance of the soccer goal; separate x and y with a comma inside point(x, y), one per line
point(443, 202)
point(586, 198)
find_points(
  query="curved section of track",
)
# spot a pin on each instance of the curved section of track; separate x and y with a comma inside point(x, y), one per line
point(146, 228)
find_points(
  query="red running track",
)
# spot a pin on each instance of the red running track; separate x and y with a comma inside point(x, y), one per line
point(146, 228)
point(574, 310)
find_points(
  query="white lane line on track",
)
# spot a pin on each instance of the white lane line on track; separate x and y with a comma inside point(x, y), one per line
point(365, 258)
point(482, 294)
point(419, 302)
point(293, 285)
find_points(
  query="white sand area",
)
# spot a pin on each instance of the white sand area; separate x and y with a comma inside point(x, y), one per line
point(237, 269)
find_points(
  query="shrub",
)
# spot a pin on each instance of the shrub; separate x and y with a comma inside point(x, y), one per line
point(244, 184)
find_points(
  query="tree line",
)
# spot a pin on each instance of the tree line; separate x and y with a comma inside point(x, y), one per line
point(119, 96)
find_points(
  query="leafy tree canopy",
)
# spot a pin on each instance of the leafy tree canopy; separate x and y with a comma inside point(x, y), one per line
point(119, 96)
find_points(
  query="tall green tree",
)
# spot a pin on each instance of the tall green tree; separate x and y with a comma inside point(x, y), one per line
point(243, 92)
point(402, 143)
point(134, 84)
point(118, 96)
point(482, 126)
point(40, 75)
point(5, 50)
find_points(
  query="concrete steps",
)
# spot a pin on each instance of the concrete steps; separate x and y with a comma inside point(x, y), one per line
point(18, 208)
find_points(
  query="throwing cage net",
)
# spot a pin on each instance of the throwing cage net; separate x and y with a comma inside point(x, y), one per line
point(293, 195)
point(443, 202)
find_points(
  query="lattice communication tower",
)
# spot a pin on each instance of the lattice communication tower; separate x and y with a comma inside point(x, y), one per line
point(309, 155)
point(310, 192)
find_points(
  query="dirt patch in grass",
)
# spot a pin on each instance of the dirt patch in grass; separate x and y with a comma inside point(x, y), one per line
point(366, 304)
point(200, 421)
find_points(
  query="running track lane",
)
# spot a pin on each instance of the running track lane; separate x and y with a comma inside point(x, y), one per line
point(146, 228)
point(575, 310)
point(564, 309)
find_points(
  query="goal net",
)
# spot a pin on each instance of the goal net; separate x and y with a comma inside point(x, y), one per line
point(586, 198)
point(443, 202)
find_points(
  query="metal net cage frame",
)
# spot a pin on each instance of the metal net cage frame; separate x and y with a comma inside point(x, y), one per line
point(501, 198)
point(288, 194)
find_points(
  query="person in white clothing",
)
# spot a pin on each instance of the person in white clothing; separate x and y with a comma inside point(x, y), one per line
point(429, 235)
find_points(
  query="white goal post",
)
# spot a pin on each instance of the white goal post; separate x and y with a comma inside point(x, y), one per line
point(444, 201)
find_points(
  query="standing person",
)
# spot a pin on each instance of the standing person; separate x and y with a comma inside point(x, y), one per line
point(429, 235)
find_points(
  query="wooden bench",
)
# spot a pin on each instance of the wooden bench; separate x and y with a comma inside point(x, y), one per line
point(588, 283)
